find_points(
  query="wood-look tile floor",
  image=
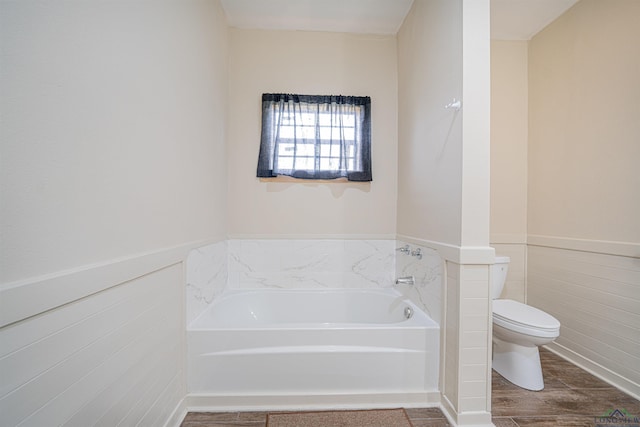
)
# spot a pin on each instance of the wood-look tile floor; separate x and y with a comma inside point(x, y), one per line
point(571, 397)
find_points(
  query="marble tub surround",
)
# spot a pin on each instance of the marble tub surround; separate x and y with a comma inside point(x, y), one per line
point(309, 264)
point(237, 264)
point(206, 271)
point(427, 271)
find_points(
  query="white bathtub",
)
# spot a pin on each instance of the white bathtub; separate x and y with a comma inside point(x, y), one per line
point(313, 343)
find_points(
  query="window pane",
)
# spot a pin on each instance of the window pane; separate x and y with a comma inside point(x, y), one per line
point(308, 119)
point(324, 119)
point(285, 149)
point(285, 163)
point(305, 150)
point(325, 133)
point(348, 120)
point(329, 163)
point(349, 133)
point(307, 132)
point(304, 163)
point(286, 132)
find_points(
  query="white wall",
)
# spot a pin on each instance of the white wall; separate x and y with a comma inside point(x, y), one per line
point(112, 119)
point(509, 129)
point(583, 204)
point(443, 154)
point(443, 183)
point(584, 127)
point(311, 63)
point(429, 136)
point(113, 128)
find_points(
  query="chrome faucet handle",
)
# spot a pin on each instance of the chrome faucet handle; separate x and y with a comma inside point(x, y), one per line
point(407, 280)
point(405, 249)
point(417, 253)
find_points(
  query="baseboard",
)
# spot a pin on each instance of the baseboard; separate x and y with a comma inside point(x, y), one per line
point(307, 236)
point(596, 369)
point(475, 419)
point(226, 403)
point(448, 410)
point(220, 403)
point(178, 414)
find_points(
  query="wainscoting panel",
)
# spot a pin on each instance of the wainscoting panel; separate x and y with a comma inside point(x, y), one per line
point(107, 358)
point(596, 298)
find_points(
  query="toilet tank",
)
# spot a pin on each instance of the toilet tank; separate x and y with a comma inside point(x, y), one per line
point(499, 275)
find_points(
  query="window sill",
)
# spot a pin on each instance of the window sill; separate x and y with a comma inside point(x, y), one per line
point(284, 178)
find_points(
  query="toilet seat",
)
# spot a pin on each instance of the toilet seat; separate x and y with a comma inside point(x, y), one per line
point(524, 319)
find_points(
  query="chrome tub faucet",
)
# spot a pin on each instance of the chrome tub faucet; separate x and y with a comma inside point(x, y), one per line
point(407, 280)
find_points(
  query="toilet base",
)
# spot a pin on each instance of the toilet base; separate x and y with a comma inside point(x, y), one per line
point(519, 364)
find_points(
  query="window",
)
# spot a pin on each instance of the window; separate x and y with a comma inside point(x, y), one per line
point(315, 137)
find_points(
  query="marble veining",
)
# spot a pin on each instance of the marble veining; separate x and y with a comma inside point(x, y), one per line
point(427, 272)
point(303, 264)
point(207, 277)
point(311, 264)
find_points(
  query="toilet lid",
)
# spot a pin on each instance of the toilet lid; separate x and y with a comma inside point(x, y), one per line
point(514, 312)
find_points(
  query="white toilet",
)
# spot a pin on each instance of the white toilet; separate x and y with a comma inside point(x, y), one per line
point(518, 330)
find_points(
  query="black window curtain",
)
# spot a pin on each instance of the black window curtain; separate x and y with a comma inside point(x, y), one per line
point(315, 137)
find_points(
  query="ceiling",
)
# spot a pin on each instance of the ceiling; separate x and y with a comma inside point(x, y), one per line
point(349, 16)
point(510, 19)
point(523, 19)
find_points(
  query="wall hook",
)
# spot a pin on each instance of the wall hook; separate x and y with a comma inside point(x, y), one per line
point(455, 104)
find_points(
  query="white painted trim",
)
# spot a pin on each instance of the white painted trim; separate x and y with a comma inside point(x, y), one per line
point(628, 249)
point(508, 239)
point(178, 414)
point(475, 419)
point(284, 402)
point(476, 120)
point(448, 410)
point(456, 254)
point(311, 237)
point(596, 369)
point(67, 286)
